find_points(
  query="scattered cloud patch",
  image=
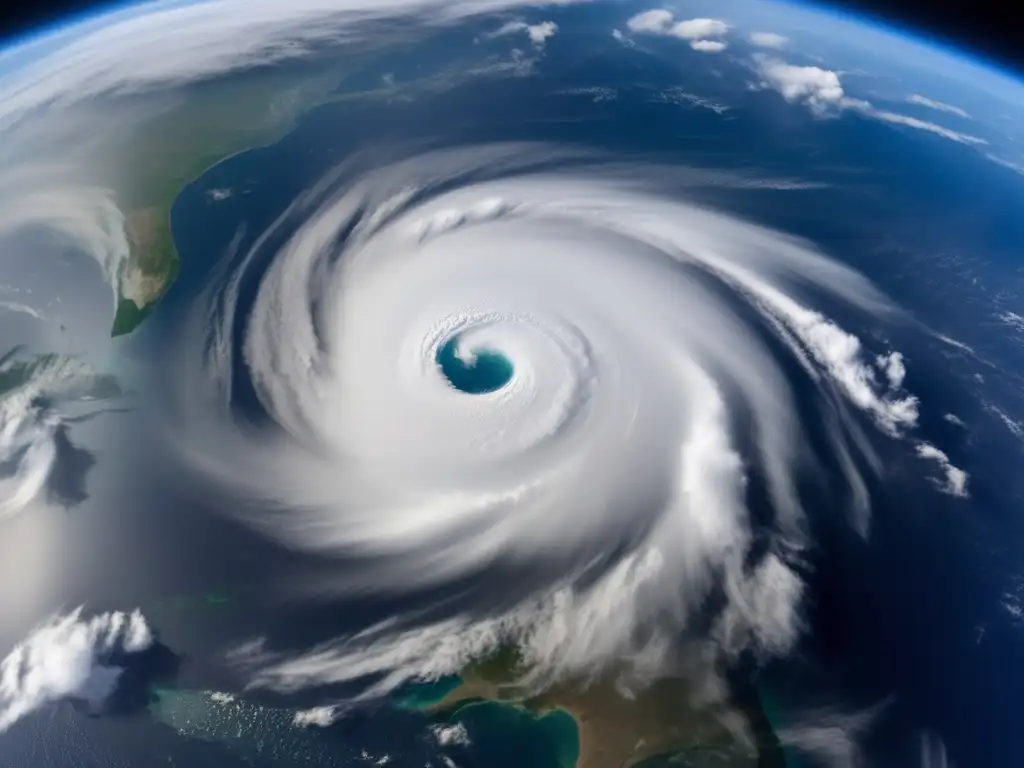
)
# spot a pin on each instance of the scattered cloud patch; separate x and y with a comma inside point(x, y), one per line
point(538, 33)
point(72, 658)
point(913, 122)
point(954, 419)
point(954, 480)
point(448, 735)
point(708, 46)
point(1016, 167)
point(14, 306)
point(1011, 424)
point(656, 22)
point(821, 90)
point(1013, 320)
point(893, 367)
point(768, 40)
point(954, 343)
point(703, 34)
point(1011, 603)
point(697, 29)
point(596, 94)
point(831, 737)
point(683, 98)
point(933, 750)
point(923, 101)
point(316, 717)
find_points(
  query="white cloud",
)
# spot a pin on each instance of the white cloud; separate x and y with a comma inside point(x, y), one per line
point(954, 419)
point(622, 38)
point(840, 353)
point(708, 46)
point(697, 31)
point(694, 29)
point(954, 343)
point(173, 45)
point(937, 105)
point(1013, 320)
point(320, 717)
point(1016, 166)
point(830, 736)
point(68, 657)
point(913, 122)
point(656, 22)
point(933, 752)
point(538, 33)
point(893, 367)
point(14, 306)
point(954, 481)
point(679, 96)
point(822, 91)
point(447, 735)
point(1011, 424)
point(768, 40)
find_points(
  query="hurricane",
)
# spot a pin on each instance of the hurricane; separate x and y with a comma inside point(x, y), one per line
point(528, 359)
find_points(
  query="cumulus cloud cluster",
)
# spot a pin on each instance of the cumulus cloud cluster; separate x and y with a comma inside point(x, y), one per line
point(821, 90)
point(703, 34)
point(538, 33)
point(319, 717)
point(453, 733)
point(71, 657)
point(954, 481)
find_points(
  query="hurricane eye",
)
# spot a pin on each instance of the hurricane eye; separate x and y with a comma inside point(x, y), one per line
point(474, 371)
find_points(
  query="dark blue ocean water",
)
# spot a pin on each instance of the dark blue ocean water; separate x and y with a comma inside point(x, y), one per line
point(913, 616)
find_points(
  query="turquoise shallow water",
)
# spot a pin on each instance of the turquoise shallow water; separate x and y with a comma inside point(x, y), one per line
point(508, 736)
point(488, 371)
point(421, 696)
point(503, 735)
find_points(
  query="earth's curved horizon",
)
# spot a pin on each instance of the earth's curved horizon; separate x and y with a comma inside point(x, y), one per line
point(494, 382)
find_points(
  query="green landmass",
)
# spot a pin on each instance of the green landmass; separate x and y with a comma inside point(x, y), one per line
point(654, 725)
point(129, 315)
point(167, 151)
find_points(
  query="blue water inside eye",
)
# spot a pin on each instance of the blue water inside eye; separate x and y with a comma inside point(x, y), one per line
point(489, 372)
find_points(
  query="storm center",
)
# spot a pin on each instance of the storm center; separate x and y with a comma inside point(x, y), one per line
point(474, 371)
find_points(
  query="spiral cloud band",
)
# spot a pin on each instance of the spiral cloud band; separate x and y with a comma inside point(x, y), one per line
point(504, 356)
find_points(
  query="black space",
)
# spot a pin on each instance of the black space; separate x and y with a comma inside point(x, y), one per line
point(990, 27)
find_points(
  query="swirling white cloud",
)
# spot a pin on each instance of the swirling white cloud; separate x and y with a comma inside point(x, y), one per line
point(642, 335)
